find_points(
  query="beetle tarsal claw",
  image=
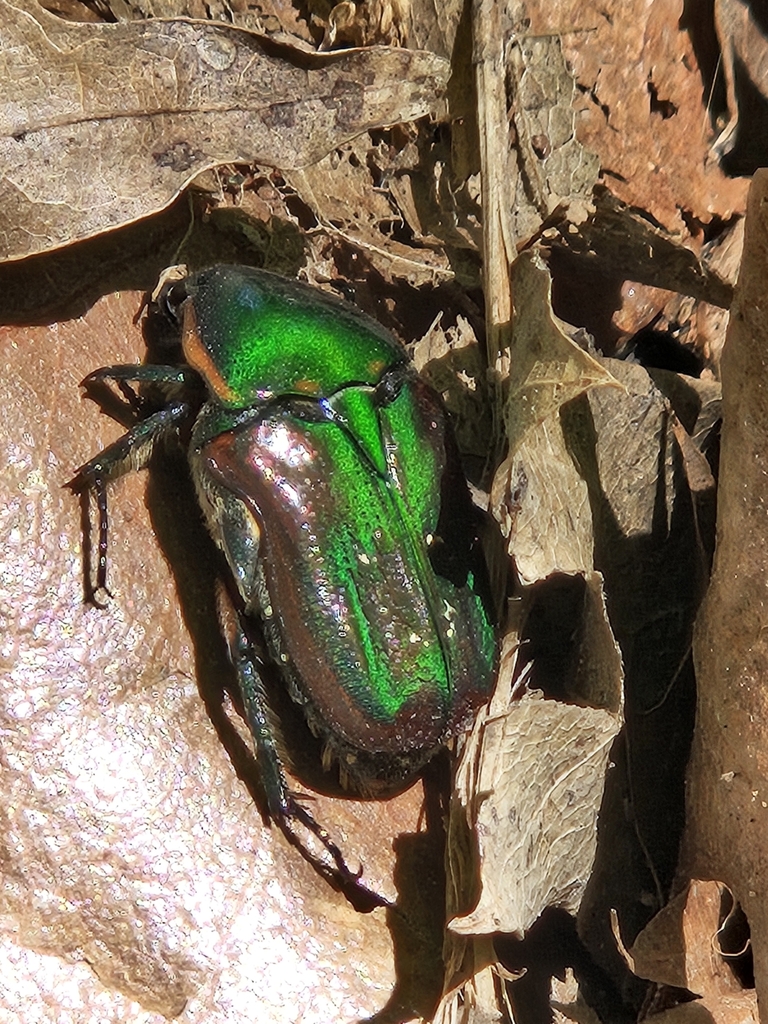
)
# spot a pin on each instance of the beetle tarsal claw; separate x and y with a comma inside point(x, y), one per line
point(338, 874)
point(94, 599)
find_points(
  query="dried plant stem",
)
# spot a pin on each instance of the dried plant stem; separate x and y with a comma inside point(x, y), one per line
point(498, 186)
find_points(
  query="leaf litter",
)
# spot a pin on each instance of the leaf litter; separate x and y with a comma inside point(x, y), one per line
point(601, 146)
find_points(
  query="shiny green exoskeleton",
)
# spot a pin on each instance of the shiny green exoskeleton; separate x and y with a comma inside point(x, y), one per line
point(328, 475)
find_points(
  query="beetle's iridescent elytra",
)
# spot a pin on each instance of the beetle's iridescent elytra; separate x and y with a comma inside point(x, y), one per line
point(328, 475)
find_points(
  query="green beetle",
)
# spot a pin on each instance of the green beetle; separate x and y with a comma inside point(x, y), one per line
point(328, 475)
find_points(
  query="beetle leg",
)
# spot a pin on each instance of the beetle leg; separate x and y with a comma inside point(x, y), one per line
point(172, 382)
point(283, 807)
point(100, 489)
point(130, 452)
point(144, 373)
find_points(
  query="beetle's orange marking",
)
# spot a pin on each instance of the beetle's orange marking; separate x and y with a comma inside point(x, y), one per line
point(199, 358)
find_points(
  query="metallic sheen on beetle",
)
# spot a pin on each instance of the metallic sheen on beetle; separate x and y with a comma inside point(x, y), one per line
point(328, 475)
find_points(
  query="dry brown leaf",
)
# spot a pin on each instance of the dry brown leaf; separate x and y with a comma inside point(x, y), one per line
point(538, 766)
point(110, 122)
point(538, 495)
point(530, 160)
point(477, 1001)
point(648, 550)
point(637, 468)
point(567, 1005)
point(727, 834)
point(699, 324)
point(704, 323)
point(434, 26)
point(531, 773)
point(678, 947)
point(615, 450)
point(639, 304)
point(546, 367)
point(277, 18)
point(450, 359)
point(736, 1009)
point(137, 875)
point(556, 172)
point(641, 105)
point(368, 24)
point(340, 192)
point(633, 457)
point(622, 241)
point(542, 505)
point(742, 44)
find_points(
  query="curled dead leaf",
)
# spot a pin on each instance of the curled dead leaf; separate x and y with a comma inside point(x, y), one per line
point(547, 368)
point(110, 122)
